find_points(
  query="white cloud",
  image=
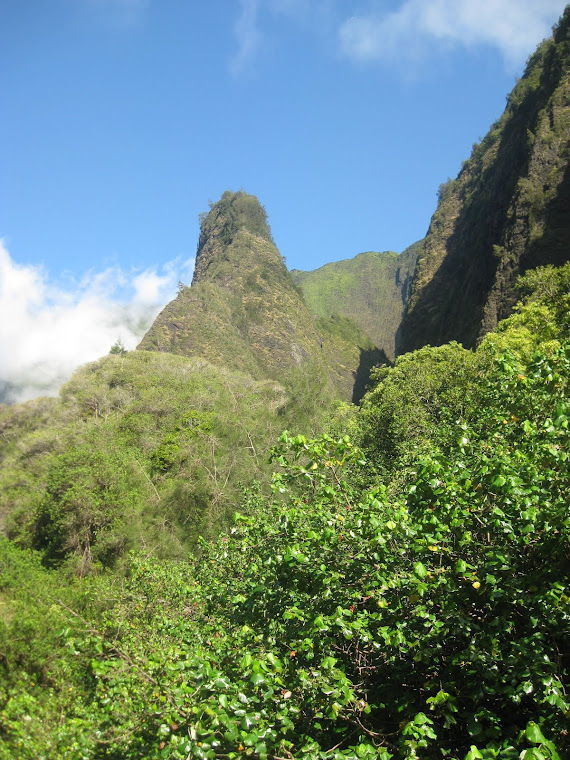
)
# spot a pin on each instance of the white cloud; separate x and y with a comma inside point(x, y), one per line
point(247, 35)
point(251, 28)
point(48, 331)
point(514, 27)
point(149, 285)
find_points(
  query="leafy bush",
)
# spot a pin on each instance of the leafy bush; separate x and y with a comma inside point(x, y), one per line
point(414, 405)
point(331, 621)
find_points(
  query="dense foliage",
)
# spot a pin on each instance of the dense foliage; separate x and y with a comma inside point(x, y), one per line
point(373, 603)
point(145, 449)
point(235, 211)
point(399, 587)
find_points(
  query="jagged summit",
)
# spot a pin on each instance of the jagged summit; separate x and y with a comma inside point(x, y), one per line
point(233, 218)
point(243, 310)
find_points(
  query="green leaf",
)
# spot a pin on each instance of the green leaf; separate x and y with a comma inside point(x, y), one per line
point(534, 734)
point(532, 754)
point(420, 570)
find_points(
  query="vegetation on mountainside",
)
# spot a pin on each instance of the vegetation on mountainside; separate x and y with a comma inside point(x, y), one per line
point(414, 404)
point(506, 212)
point(426, 614)
point(399, 587)
point(371, 289)
point(244, 311)
point(234, 211)
point(142, 450)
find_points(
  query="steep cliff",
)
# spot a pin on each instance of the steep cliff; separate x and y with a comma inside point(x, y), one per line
point(506, 212)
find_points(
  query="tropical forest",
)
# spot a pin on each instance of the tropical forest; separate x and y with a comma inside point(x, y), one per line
point(314, 515)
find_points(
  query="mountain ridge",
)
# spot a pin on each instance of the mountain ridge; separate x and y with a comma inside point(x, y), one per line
point(371, 289)
point(505, 213)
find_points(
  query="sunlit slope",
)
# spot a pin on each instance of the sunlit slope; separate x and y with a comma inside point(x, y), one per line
point(371, 289)
point(141, 450)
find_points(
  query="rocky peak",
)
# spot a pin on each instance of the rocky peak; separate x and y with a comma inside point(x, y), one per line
point(231, 220)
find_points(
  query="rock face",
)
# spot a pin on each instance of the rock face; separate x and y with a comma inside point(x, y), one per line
point(371, 289)
point(507, 211)
point(244, 312)
point(242, 309)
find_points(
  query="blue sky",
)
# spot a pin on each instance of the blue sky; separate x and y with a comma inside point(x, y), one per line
point(123, 118)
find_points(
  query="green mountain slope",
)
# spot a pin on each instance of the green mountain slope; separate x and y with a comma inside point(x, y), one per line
point(423, 614)
point(142, 450)
point(371, 289)
point(150, 449)
point(506, 212)
point(403, 594)
point(244, 312)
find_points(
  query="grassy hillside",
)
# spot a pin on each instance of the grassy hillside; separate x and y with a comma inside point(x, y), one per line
point(142, 450)
point(371, 289)
point(150, 448)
